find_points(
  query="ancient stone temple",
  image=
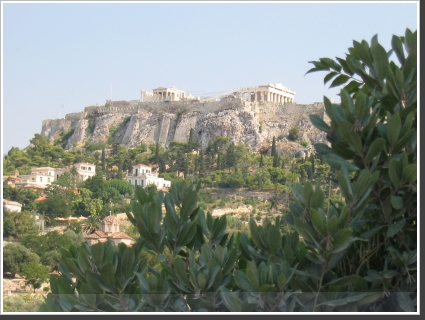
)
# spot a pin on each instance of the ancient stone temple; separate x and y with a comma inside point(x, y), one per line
point(165, 94)
point(268, 93)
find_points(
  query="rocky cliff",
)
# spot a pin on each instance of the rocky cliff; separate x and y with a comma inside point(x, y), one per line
point(132, 122)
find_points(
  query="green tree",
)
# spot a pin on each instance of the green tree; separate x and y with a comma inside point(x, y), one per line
point(16, 257)
point(24, 196)
point(19, 224)
point(35, 274)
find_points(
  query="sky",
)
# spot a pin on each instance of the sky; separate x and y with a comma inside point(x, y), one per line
point(79, 54)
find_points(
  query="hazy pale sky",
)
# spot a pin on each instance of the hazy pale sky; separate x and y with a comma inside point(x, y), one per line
point(70, 54)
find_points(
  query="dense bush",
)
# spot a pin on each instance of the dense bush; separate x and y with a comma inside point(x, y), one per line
point(358, 254)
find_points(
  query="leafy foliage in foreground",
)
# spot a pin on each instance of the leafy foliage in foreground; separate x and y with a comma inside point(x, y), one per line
point(358, 254)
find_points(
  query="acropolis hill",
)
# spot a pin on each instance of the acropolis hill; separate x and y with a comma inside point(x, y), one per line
point(250, 115)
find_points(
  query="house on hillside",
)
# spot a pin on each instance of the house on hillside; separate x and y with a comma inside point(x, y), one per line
point(41, 177)
point(143, 176)
point(109, 229)
point(11, 205)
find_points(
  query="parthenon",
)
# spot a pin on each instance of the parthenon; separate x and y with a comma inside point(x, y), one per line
point(269, 93)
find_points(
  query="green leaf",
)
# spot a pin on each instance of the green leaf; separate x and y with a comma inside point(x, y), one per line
point(255, 235)
point(405, 302)
point(329, 76)
point(281, 282)
point(331, 63)
point(317, 222)
point(397, 46)
point(352, 138)
point(395, 228)
point(219, 228)
point(332, 224)
point(253, 279)
point(274, 240)
point(344, 281)
point(337, 162)
point(212, 273)
point(341, 79)
point(267, 288)
point(231, 300)
point(127, 262)
point(180, 270)
point(108, 274)
point(87, 295)
point(319, 123)
point(394, 127)
point(397, 202)
point(219, 255)
point(242, 281)
point(187, 233)
point(375, 148)
point(96, 251)
point(392, 172)
point(370, 233)
point(341, 240)
point(380, 62)
point(189, 204)
point(409, 174)
point(202, 281)
point(344, 301)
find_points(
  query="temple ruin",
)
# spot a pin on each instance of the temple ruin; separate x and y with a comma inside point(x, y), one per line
point(268, 93)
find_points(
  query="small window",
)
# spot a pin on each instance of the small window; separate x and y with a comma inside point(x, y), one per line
point(89, 168)
point(48, 179)
point(41, 179)
point(135, 182)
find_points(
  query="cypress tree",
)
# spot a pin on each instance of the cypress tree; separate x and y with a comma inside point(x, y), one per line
point(273, 147)
point(261, 161)
point(157, 153)
point(190, 141)
point(275, 160)
point(119, 173)
point(103, 160)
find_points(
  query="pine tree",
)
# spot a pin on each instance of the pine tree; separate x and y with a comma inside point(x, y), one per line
point(219, 161)
point(261, 161)
point(230, 156)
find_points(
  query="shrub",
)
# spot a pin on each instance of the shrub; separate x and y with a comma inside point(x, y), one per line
point(304, 143)
point(293, 133)
point(360, 255)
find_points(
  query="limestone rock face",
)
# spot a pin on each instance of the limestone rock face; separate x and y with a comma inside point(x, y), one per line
point(131, 123)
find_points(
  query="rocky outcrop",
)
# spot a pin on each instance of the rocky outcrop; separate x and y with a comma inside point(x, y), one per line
point(131, 123)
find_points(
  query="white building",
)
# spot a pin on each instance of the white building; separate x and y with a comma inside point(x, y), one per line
point(142, 175)
point(43, 176)
point(85, 170)
point(11, 205)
